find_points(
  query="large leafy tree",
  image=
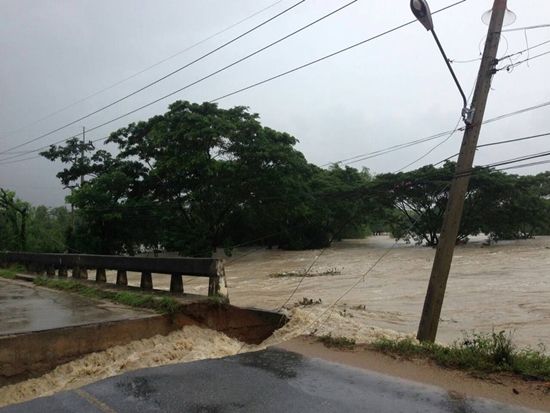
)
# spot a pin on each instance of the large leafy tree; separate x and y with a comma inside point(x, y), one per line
point(14, 216)
point(200, 177)
point(27, 228)
point(420, 197)
point(516, 207)
point(500, 205)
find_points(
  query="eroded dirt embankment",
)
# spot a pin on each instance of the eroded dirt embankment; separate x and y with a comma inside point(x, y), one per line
point(188, 344)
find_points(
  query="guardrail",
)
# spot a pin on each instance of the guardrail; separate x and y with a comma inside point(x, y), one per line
point(79, 264)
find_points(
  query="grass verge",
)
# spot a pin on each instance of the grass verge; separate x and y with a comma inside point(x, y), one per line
point(478, 353)
point(163, 305)
point(342, 343)
point(10, 272)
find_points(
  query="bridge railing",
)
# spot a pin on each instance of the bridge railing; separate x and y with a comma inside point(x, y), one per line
point(79, 264)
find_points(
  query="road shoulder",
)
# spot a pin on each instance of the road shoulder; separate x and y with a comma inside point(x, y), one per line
point(503, 388)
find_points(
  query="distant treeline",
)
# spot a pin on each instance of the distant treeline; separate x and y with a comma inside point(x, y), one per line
point(199, 178)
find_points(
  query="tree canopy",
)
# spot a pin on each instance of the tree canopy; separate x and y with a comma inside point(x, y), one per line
point(500, 205)
point(200, 177)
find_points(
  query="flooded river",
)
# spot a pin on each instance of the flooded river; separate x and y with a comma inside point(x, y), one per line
point(502, 287)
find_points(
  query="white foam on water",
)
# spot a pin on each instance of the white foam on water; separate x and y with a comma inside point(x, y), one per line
point(191, 343)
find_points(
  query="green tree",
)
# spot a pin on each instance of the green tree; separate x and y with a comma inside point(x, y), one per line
point(420, 197)
point(47, 229)
point(15, 214)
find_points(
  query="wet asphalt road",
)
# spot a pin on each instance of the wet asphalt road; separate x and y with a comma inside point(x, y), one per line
point(267, 381)
point(25, 308)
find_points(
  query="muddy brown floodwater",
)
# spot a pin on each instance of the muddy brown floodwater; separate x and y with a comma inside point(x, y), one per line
point(502, 287)
point(499, 287)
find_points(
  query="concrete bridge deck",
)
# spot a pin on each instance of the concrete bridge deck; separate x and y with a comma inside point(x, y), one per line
point(26, 308)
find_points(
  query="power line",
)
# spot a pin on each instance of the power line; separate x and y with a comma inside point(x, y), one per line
point(157, 80)
point(477, 59)
point(359, 191)
point(188, 48)
point(519, 159)
point(515, 29)
point(245, 88)
point(394, 148)
point(511, 66)
point(433, 148)
point(306, 272)
point(502, 163)
point(455, 129)
point(524, 165)
point(374, 154)
point(216, 71)
point(328, 56)
point(9, 162)
point(346, 161)
point(498, 143)
point(523, 51)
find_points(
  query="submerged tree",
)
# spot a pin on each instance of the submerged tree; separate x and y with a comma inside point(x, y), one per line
point(500, 205)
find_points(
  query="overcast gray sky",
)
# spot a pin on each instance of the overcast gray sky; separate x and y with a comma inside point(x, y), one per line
point(391, 90)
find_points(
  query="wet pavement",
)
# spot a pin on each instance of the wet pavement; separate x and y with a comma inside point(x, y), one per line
point(268, 381)
point(25, 307)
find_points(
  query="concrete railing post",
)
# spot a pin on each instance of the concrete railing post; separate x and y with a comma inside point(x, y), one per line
point(100, 275)
point(146, 281)
point(121, 277)
point(83, 274)
point(176, 283)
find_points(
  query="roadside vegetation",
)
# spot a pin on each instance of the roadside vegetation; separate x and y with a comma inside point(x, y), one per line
point(10, 272)
point(163, 305)
point(477, 353)
point(342, 343)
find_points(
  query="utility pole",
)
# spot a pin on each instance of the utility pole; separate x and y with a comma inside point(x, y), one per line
point(433, 303)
